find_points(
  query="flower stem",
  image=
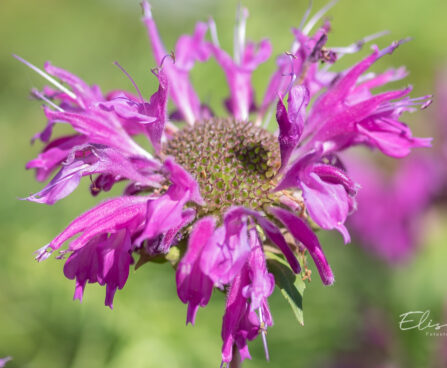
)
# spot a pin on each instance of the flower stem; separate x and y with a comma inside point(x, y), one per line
point(236, 360)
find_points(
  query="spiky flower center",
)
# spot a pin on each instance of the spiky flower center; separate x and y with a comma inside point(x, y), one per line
point(233, 162)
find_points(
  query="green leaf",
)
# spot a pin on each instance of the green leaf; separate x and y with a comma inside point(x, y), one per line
point(291, 285)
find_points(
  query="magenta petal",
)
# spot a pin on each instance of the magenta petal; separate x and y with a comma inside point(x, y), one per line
point(164, 242)
point(278, 82)
point(128, 109)
point(227, 250)
point(328, 204)
point(239, 324)
point(362, 90)
point(100, 128)
point(392, 144)
point(152, 114)
point(239, 75)
point(163, 214)
point(110, 213)
point(335, 175)
point(130, 217)
point(114, 260)
point(262, 282)
point(305, 52)
point(193, 286)
point(274, 234)
point(344, 85)
point(166, 212)
point(64, 183)
point(348, 113)
point(85, 94)
point(340, 127)
point(183, 179)
point(53, 155)
point(189, 49)
point(301, 232)
point(157, 108)
point(102, 259)
point(83, 264)
point(92, 159)
point(291, 122)
point(293, 175)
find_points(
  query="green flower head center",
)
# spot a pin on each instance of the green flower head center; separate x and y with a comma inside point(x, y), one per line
point(233, 162)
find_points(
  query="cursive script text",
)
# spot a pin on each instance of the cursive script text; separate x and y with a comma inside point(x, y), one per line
point(418, 320)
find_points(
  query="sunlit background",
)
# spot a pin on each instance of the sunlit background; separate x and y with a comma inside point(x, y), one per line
point(356, 318)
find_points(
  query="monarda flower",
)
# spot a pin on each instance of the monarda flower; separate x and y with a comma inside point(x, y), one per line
point(387, 202)
point(226, 201)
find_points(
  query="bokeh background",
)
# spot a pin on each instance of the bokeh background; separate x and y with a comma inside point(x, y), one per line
point(356, 318)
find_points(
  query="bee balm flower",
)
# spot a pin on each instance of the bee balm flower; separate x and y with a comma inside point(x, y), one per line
point(235, 196)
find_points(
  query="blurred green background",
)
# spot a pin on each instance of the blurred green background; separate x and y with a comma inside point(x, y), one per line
point(40, 325)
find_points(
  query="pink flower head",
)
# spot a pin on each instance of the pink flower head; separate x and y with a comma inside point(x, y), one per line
point(220, 198)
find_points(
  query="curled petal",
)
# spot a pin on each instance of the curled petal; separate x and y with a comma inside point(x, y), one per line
point(88, 160)
point(328, 204)
point(301, 232)
point(193, 286)
point(54, 154)
point(392, 144)
point(157, 108)
point(341, 129)
point(335, 175)
point(128, 109)
point(151, 114)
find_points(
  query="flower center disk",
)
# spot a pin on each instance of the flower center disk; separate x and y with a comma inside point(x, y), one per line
point(234, 162)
